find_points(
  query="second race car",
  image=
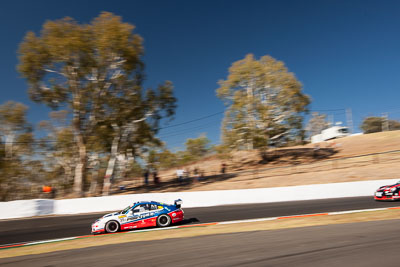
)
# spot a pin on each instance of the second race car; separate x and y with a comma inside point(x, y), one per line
point(388, 192)
point(139, 215)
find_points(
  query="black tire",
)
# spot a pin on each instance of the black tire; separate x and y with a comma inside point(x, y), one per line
point(112, 227)
point(163, 220)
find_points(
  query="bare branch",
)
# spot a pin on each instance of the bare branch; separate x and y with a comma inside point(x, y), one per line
point(54, 71)
point(44, 87)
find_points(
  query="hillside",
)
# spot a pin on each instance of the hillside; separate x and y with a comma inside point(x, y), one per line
point(328, 162)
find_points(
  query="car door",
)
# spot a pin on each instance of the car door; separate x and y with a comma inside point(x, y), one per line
point(141, 214)
point(132, 219)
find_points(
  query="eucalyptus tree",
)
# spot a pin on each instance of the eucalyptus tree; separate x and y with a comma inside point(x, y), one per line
point(198, 147)
point(134, 117)
point(88, 69)
point(15, 131)
point(16, 147)
point(264, 102)
point(379, 124)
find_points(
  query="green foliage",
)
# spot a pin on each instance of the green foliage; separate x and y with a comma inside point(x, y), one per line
point(135, 170)
point(163, 159)
point(264, 100)
point(15, 131)
point(394, 125)
point(197, 147)
point(60, 135)
point(372, 125)
point(68, 56)
point(167, 159)
point(376, 124)
point(58, 148)
point(184, 158)
point(16, 172)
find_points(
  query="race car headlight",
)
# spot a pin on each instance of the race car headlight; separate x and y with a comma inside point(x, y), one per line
point(393, 189)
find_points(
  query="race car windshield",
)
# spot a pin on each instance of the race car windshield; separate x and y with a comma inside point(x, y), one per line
point(125, 210)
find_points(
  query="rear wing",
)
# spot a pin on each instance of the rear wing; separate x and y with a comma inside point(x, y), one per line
point(178, 203)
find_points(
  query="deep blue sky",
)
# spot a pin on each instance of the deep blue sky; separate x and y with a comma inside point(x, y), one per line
point(346, 53)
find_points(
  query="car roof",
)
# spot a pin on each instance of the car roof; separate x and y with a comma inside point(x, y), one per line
point(147, 202)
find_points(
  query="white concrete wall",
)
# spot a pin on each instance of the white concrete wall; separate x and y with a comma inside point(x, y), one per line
point(44, 206)
point(28, 208)
point(23, 208)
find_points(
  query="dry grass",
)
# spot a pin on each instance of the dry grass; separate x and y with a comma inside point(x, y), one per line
point(307, 170)
point(203, 230)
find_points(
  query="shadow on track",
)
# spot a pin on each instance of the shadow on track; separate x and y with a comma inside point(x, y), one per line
point(188, 221)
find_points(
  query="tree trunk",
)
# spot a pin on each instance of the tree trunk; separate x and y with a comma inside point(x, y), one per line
point(108, 175)
point(124, 168)
point(250, 112)
point(80, 170)
point(68, 173)
point(111, 166)
point(66, 165)
point(95, 177)
point(93, 183)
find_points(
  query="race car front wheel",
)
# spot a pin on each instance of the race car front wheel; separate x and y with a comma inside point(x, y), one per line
point(163, 220)
point(112, 227)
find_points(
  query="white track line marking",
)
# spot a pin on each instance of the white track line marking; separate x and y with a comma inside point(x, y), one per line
point(354, 211)
point(150, 230)
point(51, 240)
point(250, 220)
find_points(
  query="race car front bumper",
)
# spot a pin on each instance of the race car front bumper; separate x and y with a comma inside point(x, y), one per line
point(383, 196)
point(96, 229)
point(98, 232)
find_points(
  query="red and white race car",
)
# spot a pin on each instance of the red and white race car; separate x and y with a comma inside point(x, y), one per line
point(388, 192)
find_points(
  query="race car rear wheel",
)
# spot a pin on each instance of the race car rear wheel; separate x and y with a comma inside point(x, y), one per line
point(112, 227)
point(163, 220)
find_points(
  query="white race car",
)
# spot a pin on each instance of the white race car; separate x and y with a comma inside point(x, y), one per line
point(140, 214)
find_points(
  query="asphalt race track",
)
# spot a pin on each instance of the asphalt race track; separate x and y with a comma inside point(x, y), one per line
point(15, 231)
point(357, 244)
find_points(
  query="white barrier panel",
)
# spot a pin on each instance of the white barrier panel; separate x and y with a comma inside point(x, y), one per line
point(44, 206)
point(28, 208)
